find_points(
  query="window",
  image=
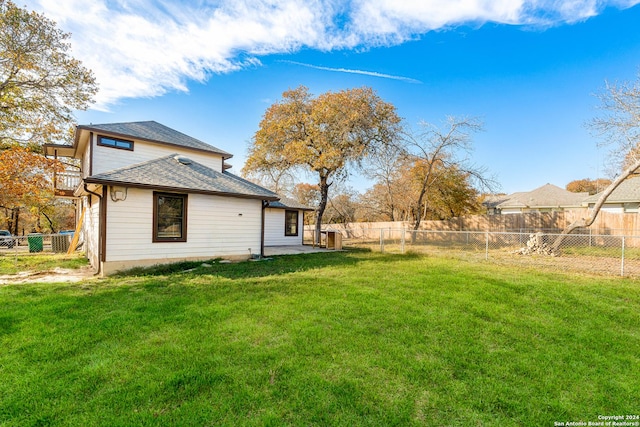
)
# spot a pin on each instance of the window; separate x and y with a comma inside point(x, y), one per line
point(115, 143)
point(169, 217)
point(290, 223)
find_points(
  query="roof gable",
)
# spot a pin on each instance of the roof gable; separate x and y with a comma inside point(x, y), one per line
point(154, 132)
point(177, 173)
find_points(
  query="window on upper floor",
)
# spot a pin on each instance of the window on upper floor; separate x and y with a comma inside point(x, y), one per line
point(122, 144)
point(169, 217)
point(290, 223)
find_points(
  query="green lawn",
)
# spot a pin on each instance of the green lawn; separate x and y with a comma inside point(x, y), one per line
point(12, 264)
point(353, 338)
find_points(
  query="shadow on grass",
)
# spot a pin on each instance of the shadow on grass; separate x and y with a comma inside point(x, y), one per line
point(276, 265)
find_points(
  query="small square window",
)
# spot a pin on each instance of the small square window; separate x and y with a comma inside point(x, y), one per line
point(122, 144)
point(290, 223)
point(169, 217)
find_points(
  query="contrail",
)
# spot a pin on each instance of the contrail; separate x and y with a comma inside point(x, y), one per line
point(346, 70)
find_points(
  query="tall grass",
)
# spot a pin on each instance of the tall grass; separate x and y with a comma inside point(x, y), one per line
point(321, 339)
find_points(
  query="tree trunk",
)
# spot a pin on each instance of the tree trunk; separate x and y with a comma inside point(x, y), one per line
point(418, 215)
point(324, 197)
point(49, 221)
point(13, 221)
point(586, 222)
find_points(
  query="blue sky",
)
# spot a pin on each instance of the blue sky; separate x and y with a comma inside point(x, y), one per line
point(529, 69)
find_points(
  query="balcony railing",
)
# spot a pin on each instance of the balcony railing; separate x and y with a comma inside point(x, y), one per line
point(66, 182)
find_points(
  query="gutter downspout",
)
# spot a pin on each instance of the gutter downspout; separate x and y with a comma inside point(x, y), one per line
point(264, 206)
point(86, 188)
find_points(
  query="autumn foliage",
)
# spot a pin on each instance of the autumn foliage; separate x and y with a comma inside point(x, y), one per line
point(324, 135)
point(26, 180)
point(591, 186)
point(40, 83)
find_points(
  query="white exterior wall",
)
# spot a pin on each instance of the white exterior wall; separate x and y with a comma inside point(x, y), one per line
point(91, 229)
point(86, 158)
point(612, 207)
point(510, 211)
point(215, 228)
point(274, 229)
point(107, 158)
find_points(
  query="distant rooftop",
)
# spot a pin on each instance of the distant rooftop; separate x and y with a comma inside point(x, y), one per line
point(547, 196)
point(628, 191)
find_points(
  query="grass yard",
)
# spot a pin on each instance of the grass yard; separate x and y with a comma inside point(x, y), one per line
point(12, 264)
point(336, 339)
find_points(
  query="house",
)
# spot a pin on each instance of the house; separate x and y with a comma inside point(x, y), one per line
point(625, 198)
point(153, 195)
point(548, 198)
point(491, 202)
point(284, 222)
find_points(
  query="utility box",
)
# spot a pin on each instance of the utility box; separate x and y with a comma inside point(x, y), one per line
point(334, 240)
point(60, 243)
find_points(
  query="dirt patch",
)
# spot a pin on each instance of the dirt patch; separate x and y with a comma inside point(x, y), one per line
point(55, 275)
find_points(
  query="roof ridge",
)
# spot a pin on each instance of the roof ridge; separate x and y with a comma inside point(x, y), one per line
point(168, 173)
point(153, 131)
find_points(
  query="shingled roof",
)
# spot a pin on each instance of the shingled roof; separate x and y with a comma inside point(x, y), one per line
point(178, 173)
point(154, 132)
point(287, 203)
point(628, 191)
point(547, 196)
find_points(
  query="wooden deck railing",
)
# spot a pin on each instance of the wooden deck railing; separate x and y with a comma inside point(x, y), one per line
point(66, 182)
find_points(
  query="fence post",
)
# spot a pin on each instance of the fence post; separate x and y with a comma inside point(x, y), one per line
point(15, 247)
point(382, 240)
point(486, 245)
point(402, 241)
point(622, 259)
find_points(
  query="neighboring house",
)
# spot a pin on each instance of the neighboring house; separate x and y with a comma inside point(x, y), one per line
point(492, 201)
point(548, 198)
point(625, 198)
point(153, 195)
point(284, 222)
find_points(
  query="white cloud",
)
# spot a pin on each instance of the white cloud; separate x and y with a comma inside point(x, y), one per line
point(144, 48)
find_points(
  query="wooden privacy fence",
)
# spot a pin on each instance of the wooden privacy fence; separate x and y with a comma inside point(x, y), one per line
point(607, 223)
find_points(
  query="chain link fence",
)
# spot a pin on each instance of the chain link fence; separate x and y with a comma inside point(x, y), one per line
point(588, 253)
point(35, 243)
point(585, 252)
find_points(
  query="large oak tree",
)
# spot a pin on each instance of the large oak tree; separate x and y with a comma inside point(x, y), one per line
point(323, 135)
point(40, 83)
point(40, 87)
point(619, 127)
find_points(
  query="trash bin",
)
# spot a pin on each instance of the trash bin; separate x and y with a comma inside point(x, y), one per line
point(35, 242)
point(60, 243)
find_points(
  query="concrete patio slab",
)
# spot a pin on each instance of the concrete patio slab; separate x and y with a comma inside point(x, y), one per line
point(293, 250)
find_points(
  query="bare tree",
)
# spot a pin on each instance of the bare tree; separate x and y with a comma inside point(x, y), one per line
point(618, 127)
point(384, 167)
point(437, 149)
point(280, 181)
